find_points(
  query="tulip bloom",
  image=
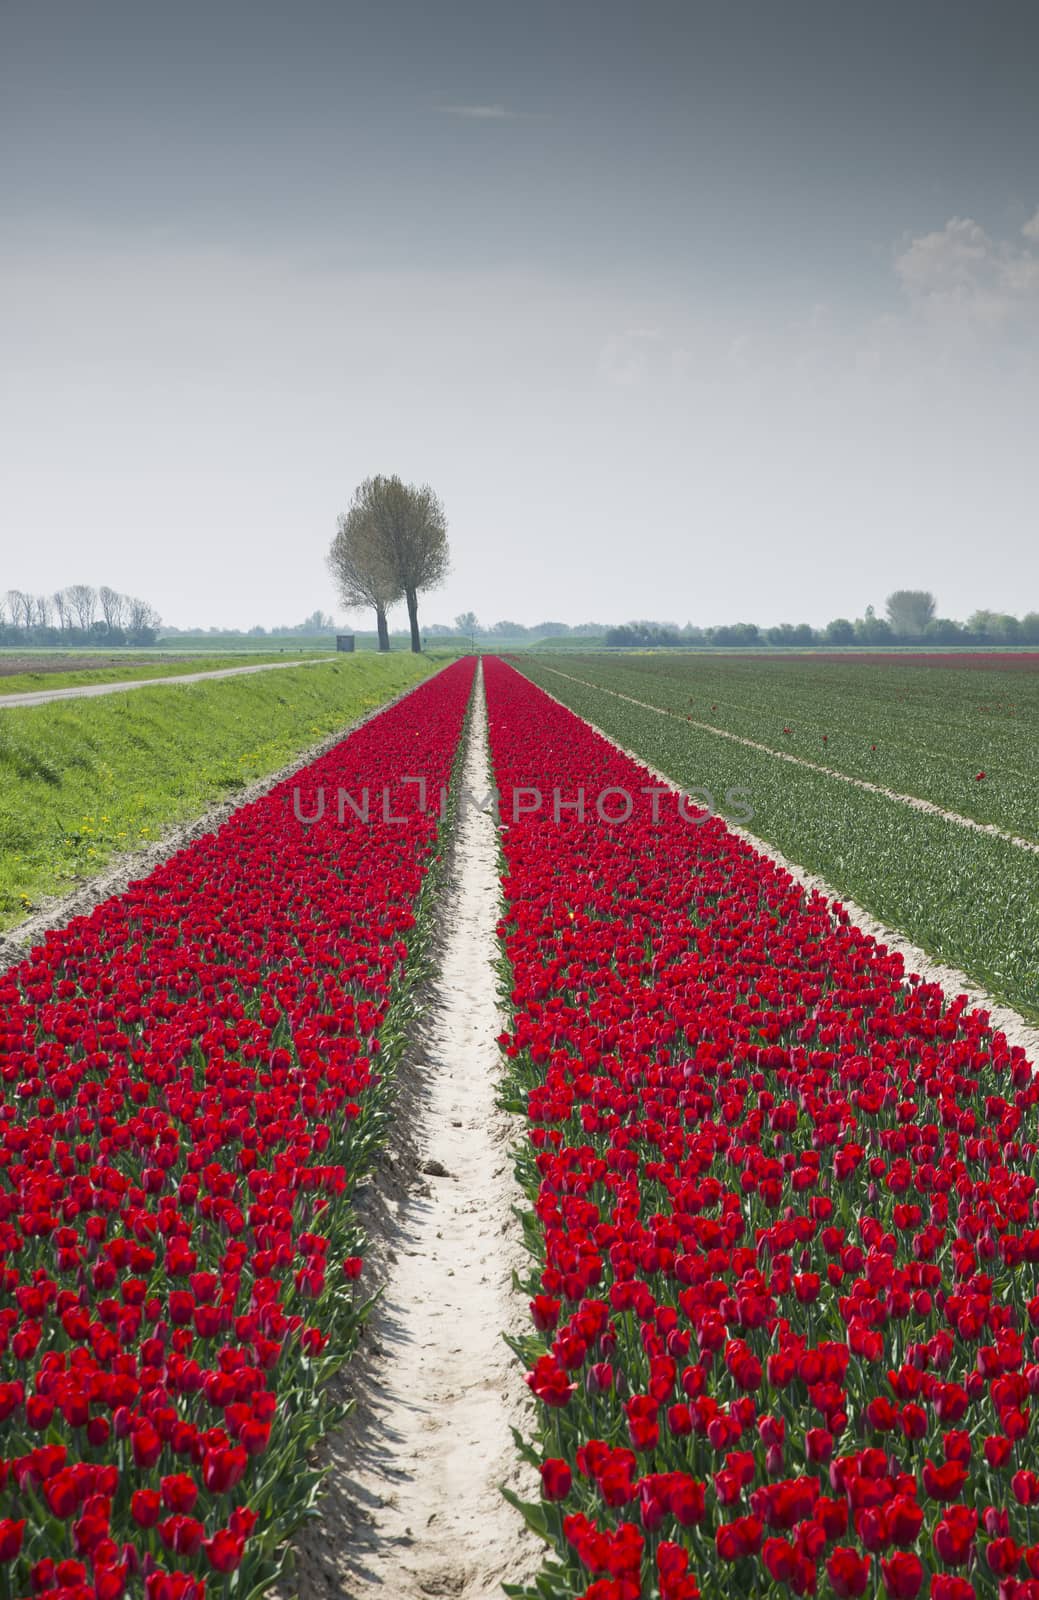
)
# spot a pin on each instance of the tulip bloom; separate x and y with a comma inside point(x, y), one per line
point(903, 1575)
point(555, 1479)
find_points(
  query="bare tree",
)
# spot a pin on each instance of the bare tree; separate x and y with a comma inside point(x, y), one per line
point(411, 530)
point(113, 608)
point(359, 567)
point(42, 611)
point(21, 607)
point(61, 609)
point(83, 604)
point(142, 621)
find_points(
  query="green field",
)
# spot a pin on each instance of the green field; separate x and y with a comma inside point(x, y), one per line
point(68, 670)
point(81, 780)
point(968, 898)
point(918, 729)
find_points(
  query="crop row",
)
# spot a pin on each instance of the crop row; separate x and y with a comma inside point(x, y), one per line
point(966, 897)
point(782, 1216)
point(923, 731)
point(193, 1079)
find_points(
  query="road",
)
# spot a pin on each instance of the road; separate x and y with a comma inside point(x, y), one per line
point(86, 691)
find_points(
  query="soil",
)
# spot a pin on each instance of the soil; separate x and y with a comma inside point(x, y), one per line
point(14, 665)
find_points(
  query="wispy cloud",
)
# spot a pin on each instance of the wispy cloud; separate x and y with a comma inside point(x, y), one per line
point(490, 113)
point(961, 272)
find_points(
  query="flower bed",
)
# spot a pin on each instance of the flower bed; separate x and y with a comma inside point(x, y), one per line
point(194, 1077)
point(783, 1216)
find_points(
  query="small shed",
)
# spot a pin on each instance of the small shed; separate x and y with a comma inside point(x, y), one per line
point(345, 641)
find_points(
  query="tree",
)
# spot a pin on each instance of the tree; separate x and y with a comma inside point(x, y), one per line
point(318, 622)
point(21, 606)
point(466, 622)
point(358, 564)
point(840, 631)
point(142, 621)
point(410, 530)
point(83, 604)
point(944, 630)
point(909, 611)
point(872, 629)
point(113, 605)
point(735, 634)
point(61, 609)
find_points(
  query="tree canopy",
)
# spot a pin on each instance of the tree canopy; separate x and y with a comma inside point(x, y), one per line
point(391, 544)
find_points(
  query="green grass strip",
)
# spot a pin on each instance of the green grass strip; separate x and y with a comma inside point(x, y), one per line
point(82, 780)
point(125, 671)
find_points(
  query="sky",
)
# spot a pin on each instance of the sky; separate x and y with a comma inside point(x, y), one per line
point(696, 312)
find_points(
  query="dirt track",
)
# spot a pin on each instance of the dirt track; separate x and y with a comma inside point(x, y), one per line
point(413, 1506)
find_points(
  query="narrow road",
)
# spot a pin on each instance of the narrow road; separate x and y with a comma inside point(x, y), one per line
point(414, 1507)
point(87, 691)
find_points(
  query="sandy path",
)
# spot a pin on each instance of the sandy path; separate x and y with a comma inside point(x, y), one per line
point(814, 766)
point(413, 1507)
point(89, 691)
point(1017, 1028)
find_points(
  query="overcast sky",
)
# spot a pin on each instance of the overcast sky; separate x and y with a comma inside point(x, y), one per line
point(688, 311)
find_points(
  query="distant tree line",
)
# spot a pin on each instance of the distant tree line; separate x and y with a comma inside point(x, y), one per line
point(910, 619)
point(467, 623)
point(317, 622)
point(77, 615)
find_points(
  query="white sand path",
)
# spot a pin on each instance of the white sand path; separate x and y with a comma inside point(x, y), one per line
point(413, 1507)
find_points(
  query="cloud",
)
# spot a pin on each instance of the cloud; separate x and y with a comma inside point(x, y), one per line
point(477, 113)
point(959, 273)
point(632, 358)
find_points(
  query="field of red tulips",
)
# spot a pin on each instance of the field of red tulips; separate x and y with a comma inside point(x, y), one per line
point(194, 1077)
point(783, 1217)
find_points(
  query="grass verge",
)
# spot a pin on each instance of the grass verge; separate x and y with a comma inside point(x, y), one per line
point(81, 781)
point(125, 672)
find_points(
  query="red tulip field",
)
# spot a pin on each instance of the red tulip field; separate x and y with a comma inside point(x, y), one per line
point(777, 1321)
point(192, 1080)
point(783, 1218)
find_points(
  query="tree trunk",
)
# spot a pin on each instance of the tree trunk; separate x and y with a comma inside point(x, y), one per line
point(412, 598)
point(382, 628)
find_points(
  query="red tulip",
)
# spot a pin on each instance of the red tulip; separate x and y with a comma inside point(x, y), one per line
point(954, 1535)
point(903, 1575)
point(11, 1535)
point(848, 1571)
point(224, 1550)
point(555, 1479)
